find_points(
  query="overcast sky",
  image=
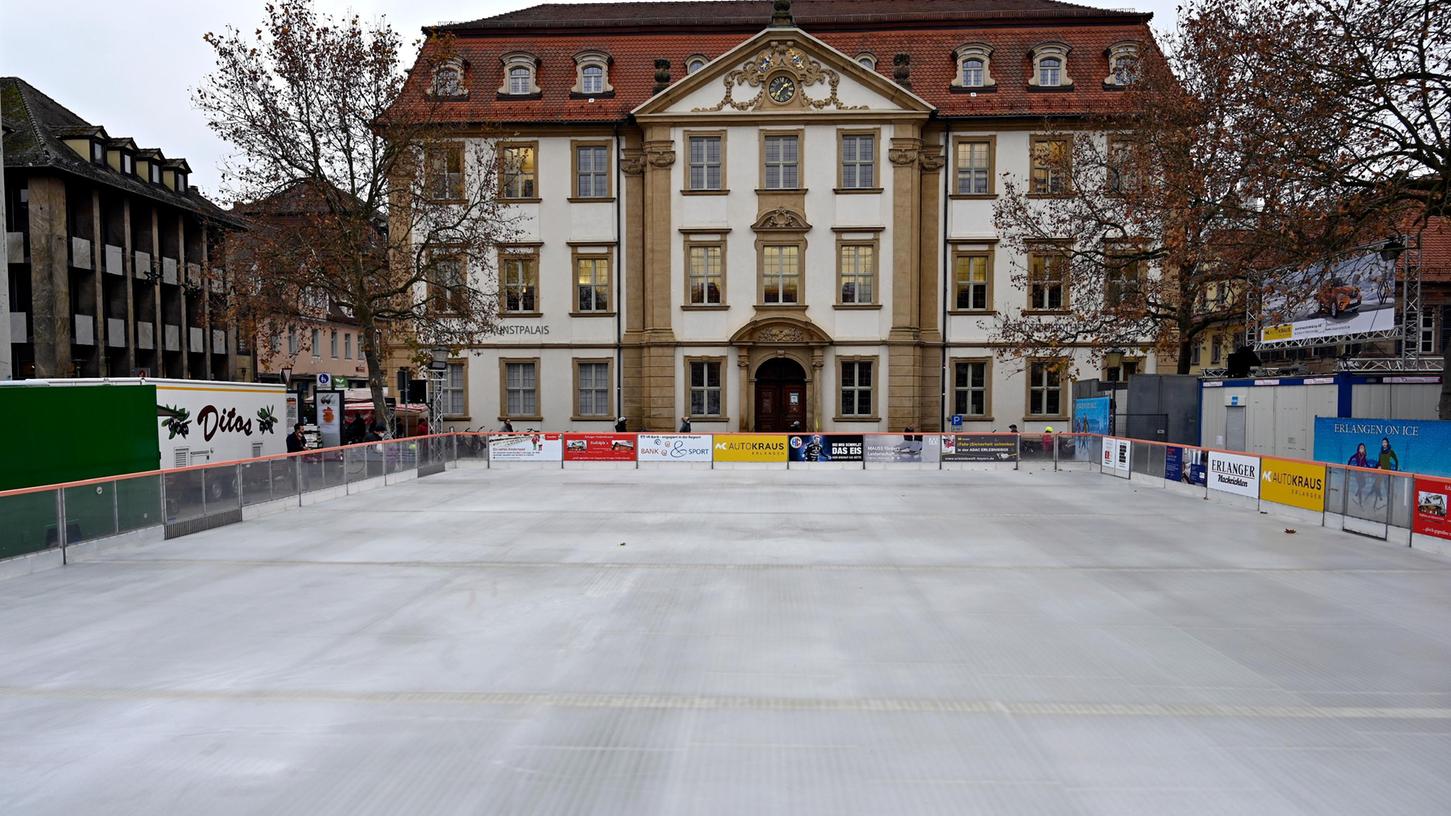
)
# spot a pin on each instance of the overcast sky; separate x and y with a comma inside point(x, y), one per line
point(130, 66)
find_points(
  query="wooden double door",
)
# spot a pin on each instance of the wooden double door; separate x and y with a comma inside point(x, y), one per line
point(780, 396)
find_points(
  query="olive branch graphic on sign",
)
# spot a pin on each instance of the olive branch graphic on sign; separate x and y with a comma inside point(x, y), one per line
point(177, 420)
point(266, 420)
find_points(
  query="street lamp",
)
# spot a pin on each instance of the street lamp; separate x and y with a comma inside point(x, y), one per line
point(1114, 357)
point(1392, 249)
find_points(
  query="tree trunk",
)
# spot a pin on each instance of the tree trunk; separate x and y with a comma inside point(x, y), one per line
point(1186, 354)
point(368, 336)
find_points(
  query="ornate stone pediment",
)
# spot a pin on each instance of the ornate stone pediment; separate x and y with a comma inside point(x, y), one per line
point(780, 57)
point(781, 219)
point(780, 331)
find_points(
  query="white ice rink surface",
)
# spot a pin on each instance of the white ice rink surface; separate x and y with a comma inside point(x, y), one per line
point(735, 642)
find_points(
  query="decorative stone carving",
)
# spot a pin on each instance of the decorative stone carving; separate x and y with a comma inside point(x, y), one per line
point(660, 154)
point(781, 219)
point(902, 156)
point(932, 158)
point(781, 334)
point(632, 161)
point(780, 56)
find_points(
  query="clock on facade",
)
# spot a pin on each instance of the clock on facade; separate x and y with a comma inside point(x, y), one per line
point(782, 88)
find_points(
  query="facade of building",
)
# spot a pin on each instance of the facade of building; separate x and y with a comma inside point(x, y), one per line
point(113, 258)
point(764, 216)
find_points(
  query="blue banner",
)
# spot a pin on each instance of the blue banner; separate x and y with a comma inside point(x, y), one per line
point(1416, 445)
point(1184, 465)
point(1090, 415)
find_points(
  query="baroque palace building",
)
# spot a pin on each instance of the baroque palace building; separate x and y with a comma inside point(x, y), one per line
point(759, 215)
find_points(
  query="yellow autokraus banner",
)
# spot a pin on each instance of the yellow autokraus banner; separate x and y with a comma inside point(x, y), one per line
point(1298, 484)
point(750, 448)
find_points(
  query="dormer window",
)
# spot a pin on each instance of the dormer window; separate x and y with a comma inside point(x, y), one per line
point(867, 60)
point(592, 74)
point(1050, 66)
point(98, 153)
point(974, 67)
point(519, 74)
point(1123, 64)
point(180, 182)
point(155, 174)
point(694, 63)
point(448, 80)
point(128, 164)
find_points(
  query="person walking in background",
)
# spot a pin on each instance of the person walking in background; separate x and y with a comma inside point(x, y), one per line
point(620, 425)
point(685, 424)
point(1048, 441)
point(295, 440)
point(507, 427)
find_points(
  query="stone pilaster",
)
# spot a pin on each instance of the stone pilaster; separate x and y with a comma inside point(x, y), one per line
point(659, 339)
point(50, 311)
point(929, 399)
point(632, 359)
point(903, 361)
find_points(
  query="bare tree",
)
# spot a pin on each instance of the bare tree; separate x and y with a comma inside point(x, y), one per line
point(308, 103)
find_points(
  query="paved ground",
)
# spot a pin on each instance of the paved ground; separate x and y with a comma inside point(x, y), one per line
point(635, 642)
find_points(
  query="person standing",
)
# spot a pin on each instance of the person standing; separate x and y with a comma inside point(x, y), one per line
point(685, 424)
point(620, 425)
point(296, 441)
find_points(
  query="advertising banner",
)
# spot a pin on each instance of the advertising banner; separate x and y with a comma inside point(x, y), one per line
point(599, 447)
point(1118, 457)
point(1430, 518)
point(1233, 473)
point(825, 448)
point(1298, 484)
point(1184, 465)
point(1353, 296)
point(1090, 415)
point(913, 448)
point(1416, 445)
point(526, 447)
point(330, 418)
point(750, 448)
point(673, 448)
point(979, 448)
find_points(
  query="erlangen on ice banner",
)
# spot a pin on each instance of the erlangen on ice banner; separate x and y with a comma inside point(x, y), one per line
point(1235, 474)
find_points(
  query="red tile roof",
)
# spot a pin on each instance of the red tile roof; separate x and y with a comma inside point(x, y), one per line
point(1436, 251)
point(633, 54)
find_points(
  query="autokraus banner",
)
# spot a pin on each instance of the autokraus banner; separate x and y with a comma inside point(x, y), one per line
point(599, 447)
point(1184, 465)
point(1292, 482)
point(825, 448)
point(750, 448)
point(526, 447)
point(1233, 473)
point(909, 448)
point(673, 448)
point(1415, 445)
point(979, 448)
point(1430, 511)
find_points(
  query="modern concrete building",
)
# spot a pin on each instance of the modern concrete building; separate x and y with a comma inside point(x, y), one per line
point(112, 254)
point(762, 215)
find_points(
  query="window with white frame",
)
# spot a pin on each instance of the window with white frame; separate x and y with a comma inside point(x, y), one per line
point(293, 346)
point(1047, 280)
point(591, 171)
point(592, 283)
point(592, 388)
point(1123, 64)
point(857, 269)
point(521, 284)
point(1045, 388)
point(520, 80)
point(454, 390)
point(694, 63)
point(1050, 66)
point(519, 74)
point(592, 76)
point(348, 346)
point(1426, 334)
point(333, 344)
point(856, 387)
point(970, 388)
point(705, 273)
point(316, 343)
point(705, 162)
point(974, 69)
point(444, 171)
point(974, 166)
point(858, 161)
point(448, 79)
point(970, 281)
point(781, 273)
point(782, 162)
point(705, 388)
point(867, 61)
point(592, 79)
point(521, 389)
point(519, 170)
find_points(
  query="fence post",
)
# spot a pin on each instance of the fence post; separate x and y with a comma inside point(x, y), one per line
point(241, 488)
point(115, 508)
point(1053, 440)
point(1018, 445)
point(297, 477)
point(60, 530)
point(161, 478)
point(203, 472)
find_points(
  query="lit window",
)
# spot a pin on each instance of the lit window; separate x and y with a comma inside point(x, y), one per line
point(592, 282)
point(519, 171)
point(1047, 273)
point(521, 285)
point(1050, 166)
point(706, 277)
point(858, 273)
point(781, 270)
point(970, 282)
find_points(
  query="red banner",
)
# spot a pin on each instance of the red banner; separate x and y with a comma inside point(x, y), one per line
point(599, 447)
point(1432, 496)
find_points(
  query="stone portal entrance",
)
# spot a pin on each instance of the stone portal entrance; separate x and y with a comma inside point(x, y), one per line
point(780, 395)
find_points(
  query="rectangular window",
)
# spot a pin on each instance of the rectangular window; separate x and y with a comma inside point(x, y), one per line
point(781, 273)
point(316, 343)
point(858, 161)
point(1121, 372)
point(518, 171)
point(705, 163)
point(591, 171)
point(783, 162)
point(521, 389)
point(856, 387)
point(1216, 350)
point(970, 282)
point(333, 344)
point(1426, 336)
point(1045, 389)
point(447, 291)
point(1196, 354)
point(454, 391)
point(444, 172)
point(705, 388)
point(857, 271)
point(1123, 175)
point(592, 283)
point(592, 389)
point(1123, 276)
point(970, 388)
point(521, 285)
point(1050, 166)
point(347, 347)
point(292, 345)
point(974, 165)
point(706, 276)
point(1046, 281)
